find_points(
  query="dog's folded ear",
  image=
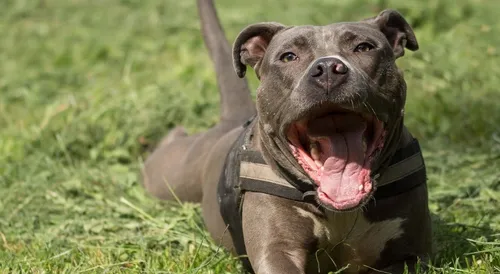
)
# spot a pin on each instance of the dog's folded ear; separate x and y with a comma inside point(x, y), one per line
point(251, 45)
point(397, 30)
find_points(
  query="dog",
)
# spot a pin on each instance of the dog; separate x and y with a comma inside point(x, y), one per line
point(320, 174)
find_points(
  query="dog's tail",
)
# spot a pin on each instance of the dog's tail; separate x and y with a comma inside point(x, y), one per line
point(236, 101)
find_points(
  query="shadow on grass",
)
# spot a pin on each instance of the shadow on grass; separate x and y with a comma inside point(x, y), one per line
point(455, 240)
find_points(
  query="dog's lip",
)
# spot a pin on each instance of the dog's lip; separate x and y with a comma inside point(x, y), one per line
point(361, 203)
point(322, 110)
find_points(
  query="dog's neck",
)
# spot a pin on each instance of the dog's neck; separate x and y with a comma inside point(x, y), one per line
point(397, 138)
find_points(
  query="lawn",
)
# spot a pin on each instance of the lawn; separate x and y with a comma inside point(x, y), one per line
point(87, 87)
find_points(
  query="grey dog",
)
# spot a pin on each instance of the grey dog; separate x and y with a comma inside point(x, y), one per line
point(320, 174)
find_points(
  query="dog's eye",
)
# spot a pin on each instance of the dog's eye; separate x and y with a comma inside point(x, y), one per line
point(288, 57)
point(364, 47)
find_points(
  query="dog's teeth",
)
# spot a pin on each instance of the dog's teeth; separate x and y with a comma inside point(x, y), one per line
point(318, 163)
point(315, 154)
point(314, 151)
point(360, 187)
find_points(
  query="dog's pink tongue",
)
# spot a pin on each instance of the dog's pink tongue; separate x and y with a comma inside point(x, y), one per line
point(343, 178)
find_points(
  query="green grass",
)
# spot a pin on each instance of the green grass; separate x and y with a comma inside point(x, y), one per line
point(88, 86)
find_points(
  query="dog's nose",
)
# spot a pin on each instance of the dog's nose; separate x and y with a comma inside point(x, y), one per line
point(327, 72)
point(325, 65)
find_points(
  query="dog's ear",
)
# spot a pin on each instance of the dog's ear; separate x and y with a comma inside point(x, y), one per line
point(251, 45)
point(397, 30)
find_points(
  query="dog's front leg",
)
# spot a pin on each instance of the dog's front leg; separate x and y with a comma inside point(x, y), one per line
point(278, 238)
point(273, 260)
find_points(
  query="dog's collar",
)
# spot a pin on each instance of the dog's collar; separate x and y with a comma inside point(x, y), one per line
point(406, 171)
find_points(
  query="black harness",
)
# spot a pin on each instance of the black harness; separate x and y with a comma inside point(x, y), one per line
point(246, 170)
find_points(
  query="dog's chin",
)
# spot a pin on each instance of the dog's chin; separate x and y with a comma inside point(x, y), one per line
point(336, 148)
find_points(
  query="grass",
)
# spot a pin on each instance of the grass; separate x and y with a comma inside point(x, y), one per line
point(87, 87)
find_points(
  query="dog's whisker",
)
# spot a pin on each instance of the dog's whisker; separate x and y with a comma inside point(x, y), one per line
point(373, 111)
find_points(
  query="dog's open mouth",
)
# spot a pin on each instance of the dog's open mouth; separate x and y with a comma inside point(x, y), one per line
point(336, 150)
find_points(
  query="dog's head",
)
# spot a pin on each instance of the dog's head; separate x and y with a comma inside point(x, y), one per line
point(330, 99)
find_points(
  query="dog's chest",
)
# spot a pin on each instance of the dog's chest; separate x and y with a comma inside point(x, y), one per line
point(350, 238)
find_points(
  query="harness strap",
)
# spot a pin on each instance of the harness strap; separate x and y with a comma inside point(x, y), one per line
point(406, 172)
point(230, 193)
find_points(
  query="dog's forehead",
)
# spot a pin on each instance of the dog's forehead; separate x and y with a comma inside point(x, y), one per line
point(316, 35)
